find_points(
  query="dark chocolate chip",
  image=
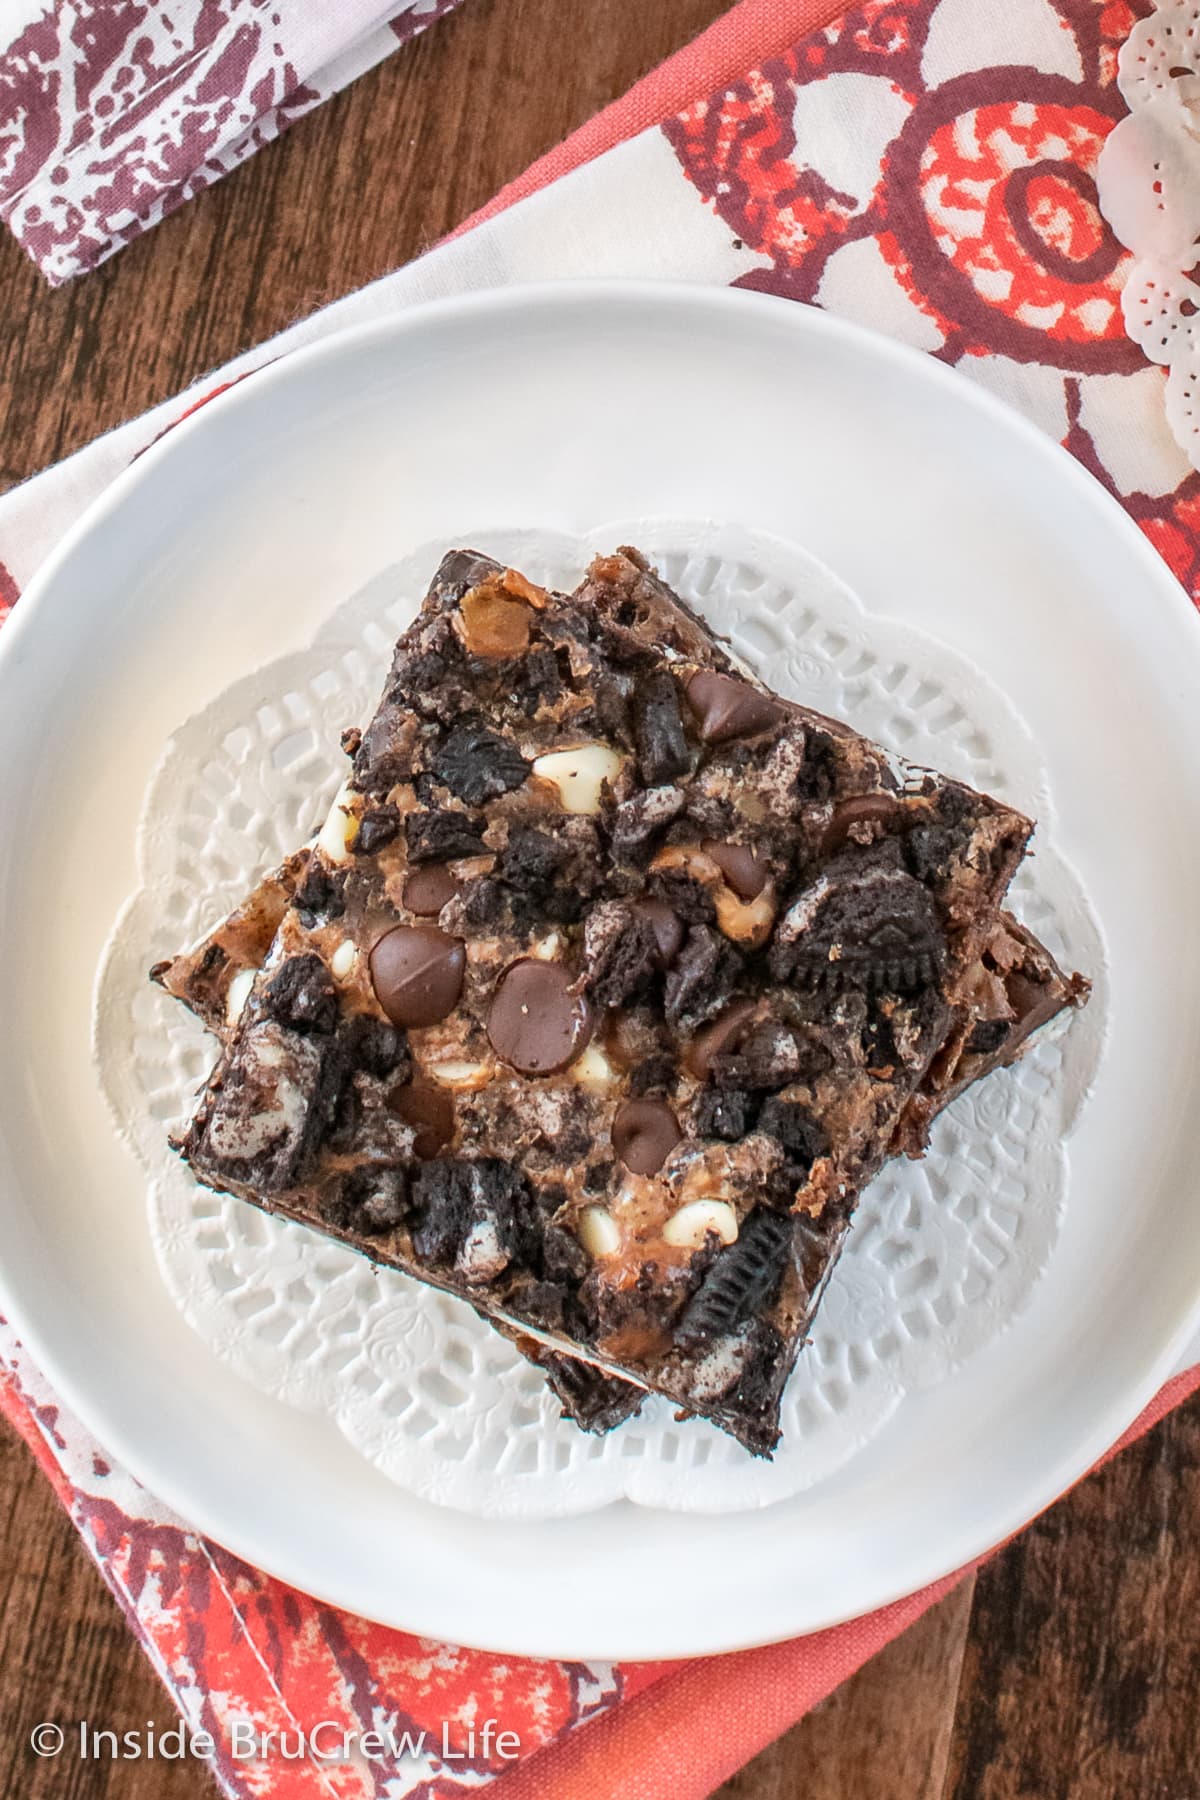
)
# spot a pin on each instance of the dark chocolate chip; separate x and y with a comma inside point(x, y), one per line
point(667, 927)
point(303, 995)
point(859, 816)
point(742, 869)
point(376, 828)
point(873, 928)
point(728, 708)
point(724, 1113)
point(430, 1112)
point(658, 734)
point(644, 1133)
point(536, 1024)
point(442, 835)
point(427, 889)
point(477, 764)
point(742, 1278)
point(417, 974)
point(722, 1036)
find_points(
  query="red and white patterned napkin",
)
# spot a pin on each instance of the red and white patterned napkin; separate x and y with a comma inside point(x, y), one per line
point(925, 166)
point(114, 112)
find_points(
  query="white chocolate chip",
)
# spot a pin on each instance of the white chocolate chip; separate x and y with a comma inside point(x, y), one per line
point(598, 1231)
point(462, 1075)
point(593, 1068)
point(688, 1228)
point(237, 995)
point(579, 774)
point(343, 960)
point(340, 827)
point(548, 947)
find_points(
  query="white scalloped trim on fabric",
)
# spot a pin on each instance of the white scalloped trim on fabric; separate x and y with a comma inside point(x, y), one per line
point(944, 1252)
point(1148, 181)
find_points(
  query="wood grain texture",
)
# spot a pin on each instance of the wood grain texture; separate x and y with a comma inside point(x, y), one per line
point(356, 188)
point(1073, 1668)
point(1081, 1674)
point(66, 1655)
point(884, 1735)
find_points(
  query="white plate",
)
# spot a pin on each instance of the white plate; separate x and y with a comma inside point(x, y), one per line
point(232, 538)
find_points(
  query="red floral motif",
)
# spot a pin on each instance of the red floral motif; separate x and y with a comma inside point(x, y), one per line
point(984, 208)
point(1011, 205)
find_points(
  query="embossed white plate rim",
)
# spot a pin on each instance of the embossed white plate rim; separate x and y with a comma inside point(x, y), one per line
point(529, 1591)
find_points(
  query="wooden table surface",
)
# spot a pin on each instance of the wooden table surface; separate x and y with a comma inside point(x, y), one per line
point(1070, 1668)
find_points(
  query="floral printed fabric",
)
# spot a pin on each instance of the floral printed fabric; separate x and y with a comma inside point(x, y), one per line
point(928, 167)
point(114, 112)
point(925, 166)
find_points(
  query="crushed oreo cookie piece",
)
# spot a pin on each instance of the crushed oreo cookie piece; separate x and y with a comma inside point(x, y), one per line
point(620, 953)
point(640, 820)
point(723, 1113)
point(662, 747)
point(873, 928)
point(803, 1137)
point(532, 858)
point(471, 1214)
point(377, 827)
point(987, 1037)
point(321, 895)
point(302, 995)
point(442, 835)
point(702, 977)
point(477, 764)
point(372, 1200)
point(768, 1056)
point(742, 1278)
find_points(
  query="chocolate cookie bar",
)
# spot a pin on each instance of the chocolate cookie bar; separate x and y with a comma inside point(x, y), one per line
point(1020, 989)
point(611, 980)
